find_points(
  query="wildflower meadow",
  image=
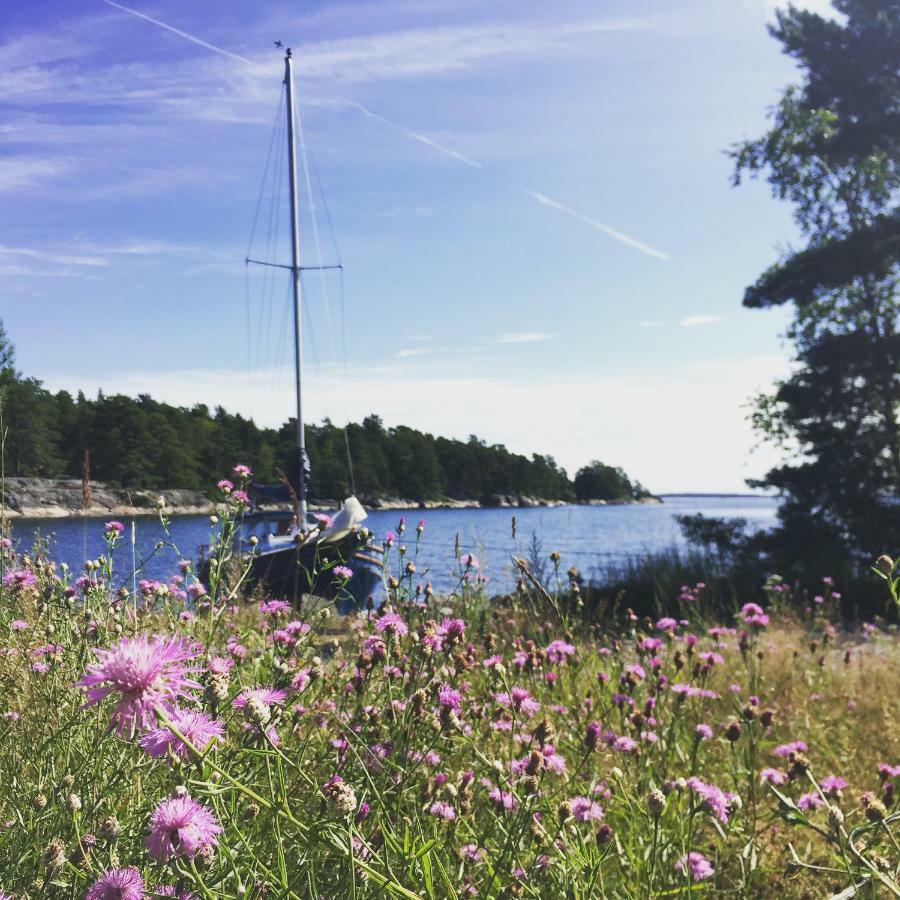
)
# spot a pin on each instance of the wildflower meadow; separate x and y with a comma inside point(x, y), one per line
point(179, 739)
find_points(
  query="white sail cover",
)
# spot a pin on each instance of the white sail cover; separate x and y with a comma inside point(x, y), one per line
point(347, 519)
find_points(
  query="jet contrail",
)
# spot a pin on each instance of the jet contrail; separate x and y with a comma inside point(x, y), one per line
point(184, 34)
point(543, 199)
point(606, 229)
point(421, 138)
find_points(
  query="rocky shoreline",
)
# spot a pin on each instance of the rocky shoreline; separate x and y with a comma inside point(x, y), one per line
point(49, 498)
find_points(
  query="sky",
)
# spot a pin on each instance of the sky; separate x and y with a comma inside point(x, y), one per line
point(532, 204)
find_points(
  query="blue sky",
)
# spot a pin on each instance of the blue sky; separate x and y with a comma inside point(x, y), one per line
point(532, 202)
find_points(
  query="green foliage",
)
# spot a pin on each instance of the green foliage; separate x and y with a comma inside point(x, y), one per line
point(598, 481)
point(833, 152)
point(141, 443)
point(722, 535)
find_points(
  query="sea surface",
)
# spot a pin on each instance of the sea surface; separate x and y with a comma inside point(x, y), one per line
point(592, 538)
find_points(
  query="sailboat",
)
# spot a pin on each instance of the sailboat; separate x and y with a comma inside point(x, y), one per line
point(290, 554)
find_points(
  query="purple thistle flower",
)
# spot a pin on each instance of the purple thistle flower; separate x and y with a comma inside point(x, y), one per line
point(442, 810)
point(773, 776)
point(703, 732)
point(584, 809)
point(519, 699)
point(558, 651)
point(145, 673)
point(266, 695)
point(196, 726)
point(833, 785)
point(696, 866)
point(809, 801)
point(115, 884)
point(181, 827)
point(449, 697)
point(343, 572)
point(166, 890)
point(274, 607)
point(785, 750)
point(392, 623)
point(713, 799)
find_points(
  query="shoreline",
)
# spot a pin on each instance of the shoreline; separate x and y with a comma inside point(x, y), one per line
point(50, 499)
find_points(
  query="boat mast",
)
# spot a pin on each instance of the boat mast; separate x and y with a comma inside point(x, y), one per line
point(302, 459)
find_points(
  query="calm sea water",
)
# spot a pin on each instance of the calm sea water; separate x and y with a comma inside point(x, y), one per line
point(593, 538)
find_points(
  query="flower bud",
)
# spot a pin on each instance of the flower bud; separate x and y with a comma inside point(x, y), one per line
point(656, 803)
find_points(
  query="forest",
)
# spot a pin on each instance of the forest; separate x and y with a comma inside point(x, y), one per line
point(142, 443)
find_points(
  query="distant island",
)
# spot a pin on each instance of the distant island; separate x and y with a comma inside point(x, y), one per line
point(138, 448)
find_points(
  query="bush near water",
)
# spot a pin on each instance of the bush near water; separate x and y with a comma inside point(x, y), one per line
point(197, 741)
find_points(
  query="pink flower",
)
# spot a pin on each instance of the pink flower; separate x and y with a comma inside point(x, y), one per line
point(584, 809)
point(144, 673)
point(196, 726)
point(115, 528)
point(449, 697)
point(809, 801)
point(503, 799)
point(343, 572)
point(274, 607)
point(181, 828)
point(695, 866)
point(19, 625)
point(832, 784)
point(753, 614)
point(785, 750)
point(703, 731)
point(773, 776)
point(265, 695)
point(442, 810)
point(713, 799)
point(469, 560)
point(115, 884)
point(519, 699)
point(392, 623)
point(470, 851)
point(557, 651)
point(225, 486)
point(241, 471)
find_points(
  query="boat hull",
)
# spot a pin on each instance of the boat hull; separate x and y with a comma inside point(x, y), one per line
point(292, 571)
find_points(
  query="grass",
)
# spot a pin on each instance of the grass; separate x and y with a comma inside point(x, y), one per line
point(451, 748)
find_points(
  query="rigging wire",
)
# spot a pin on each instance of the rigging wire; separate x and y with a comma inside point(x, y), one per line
point(305, 154)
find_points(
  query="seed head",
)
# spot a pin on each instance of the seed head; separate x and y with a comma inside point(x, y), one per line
point(54, 854)
point(656, 803)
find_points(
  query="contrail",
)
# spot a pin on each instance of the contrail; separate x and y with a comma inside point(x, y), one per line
point(543, 199)
point(606, 229)
point(421, 138)
point(184, 34)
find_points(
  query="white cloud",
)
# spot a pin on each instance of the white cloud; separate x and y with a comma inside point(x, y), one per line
point(410, 352)
point(617, 419)
point(27, 172)
point(59, 258)
point(524, 337)
point(649, 323)
point(702, 319)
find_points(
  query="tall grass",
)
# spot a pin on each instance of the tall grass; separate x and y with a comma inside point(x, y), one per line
point(437, 747)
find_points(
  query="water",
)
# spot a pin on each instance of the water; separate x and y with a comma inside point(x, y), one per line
point(590, 537)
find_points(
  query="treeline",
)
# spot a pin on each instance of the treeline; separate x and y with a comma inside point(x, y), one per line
point(142, 443)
